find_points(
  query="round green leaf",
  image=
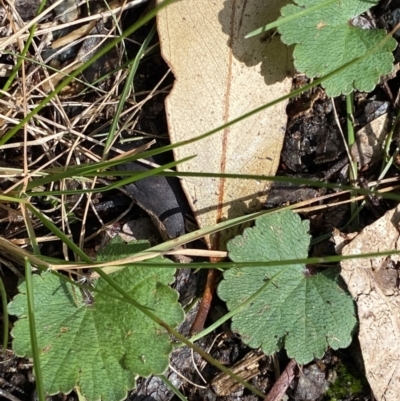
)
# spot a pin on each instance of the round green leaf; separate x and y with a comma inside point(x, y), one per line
point(304, 313)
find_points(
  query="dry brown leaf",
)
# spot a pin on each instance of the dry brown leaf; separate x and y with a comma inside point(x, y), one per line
point(219, 77)
point(74, 35)
point(369, 140)
point(374, 284)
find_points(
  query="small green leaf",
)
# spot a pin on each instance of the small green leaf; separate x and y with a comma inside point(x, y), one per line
point(99, 348)
point(304, 313)
point(327, 39)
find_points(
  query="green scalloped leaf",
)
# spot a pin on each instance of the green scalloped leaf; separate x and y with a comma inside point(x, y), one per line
point(301, 312)
point(326, 39)
point(99, 348)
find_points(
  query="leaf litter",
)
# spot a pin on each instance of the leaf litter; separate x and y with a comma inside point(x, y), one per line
point(374, 284)
point(215, 86)
point(305, 349)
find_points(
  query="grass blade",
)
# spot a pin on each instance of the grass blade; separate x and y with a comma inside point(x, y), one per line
point(32, 327)
point(5, 316)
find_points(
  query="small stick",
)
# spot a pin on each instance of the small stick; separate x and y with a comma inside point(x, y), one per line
point(281, 385)
point(205, 304)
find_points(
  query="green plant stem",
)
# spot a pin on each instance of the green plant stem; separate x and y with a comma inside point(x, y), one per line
point(31, 231)
point(274, 263)
point(351, 139)
point(88, 173)
point(32, 329)
point(235, 311)
point(127, 86)
point(389, 160)
point(7, 199)
point(353, 164)
point(56, 231)
point(136, 176)
point(389, 138)
point(5, 316)
point(77, 171)
point(172, 387)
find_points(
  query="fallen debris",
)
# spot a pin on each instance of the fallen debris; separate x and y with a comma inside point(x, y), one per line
point(374, 284)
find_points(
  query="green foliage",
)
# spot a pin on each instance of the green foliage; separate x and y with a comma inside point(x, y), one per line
point(304, 313)
point(349, 382)
point(99, 347)
point(326, 39)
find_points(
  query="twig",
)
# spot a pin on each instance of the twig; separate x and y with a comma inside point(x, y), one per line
point(281, 385)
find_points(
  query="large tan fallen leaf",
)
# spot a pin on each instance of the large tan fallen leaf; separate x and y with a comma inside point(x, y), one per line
point(221, 76)
point(374, 284)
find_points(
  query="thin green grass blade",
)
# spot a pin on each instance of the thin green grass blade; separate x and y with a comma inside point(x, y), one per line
point(32, 327)
point(31, 232)
point(238, 309)
point(388, 159)
point(116, 25)
point(172, 387)
point(7, 199)
point(351, 138)
point(353, 164)
point(91, 168)
point(293, 180)
point(108, 74)
point(67, 280)
point(305, 261)
point(76, 171)
point(56, 231)
point(127, 86)
point(114, 185)
point(277, 178)
point(5, 316)
point(43, 264)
